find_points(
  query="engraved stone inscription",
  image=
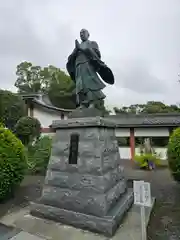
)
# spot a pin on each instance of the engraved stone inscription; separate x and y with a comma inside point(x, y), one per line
point(73, 151)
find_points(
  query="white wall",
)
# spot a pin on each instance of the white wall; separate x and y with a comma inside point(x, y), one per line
point(162, 152)
point(125, 152)
point(122, 132)
point(29, 112)
point(46, 117)
point(151, 132)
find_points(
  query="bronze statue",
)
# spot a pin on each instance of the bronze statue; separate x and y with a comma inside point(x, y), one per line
point(84, 67)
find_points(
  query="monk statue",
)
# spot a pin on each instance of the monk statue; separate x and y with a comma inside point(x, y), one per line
point(88, 71)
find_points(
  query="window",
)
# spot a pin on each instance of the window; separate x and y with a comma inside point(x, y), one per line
point(123, 141)
point(73, 150)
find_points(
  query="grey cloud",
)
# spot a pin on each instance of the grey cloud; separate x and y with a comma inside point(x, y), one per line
point(19, 38)
point(136, 75)
point(139, 40)
point(19, 42)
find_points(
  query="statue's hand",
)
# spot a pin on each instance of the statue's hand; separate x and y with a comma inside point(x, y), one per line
point(77, 45)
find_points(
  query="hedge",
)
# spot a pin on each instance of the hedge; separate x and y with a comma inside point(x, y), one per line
point(13, 163)
point(173, 153)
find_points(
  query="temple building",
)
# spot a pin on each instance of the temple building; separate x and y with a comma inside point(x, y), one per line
point(131, 128)
point(39, 106)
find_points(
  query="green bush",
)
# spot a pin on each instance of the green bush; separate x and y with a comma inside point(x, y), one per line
point(27, 129)
point(38, 155)
point(142, 160)
point(173, 154)
point(12, 163)
point(2, 125)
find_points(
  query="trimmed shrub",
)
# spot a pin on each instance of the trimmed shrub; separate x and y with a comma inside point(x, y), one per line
point(147, 160)
point(38, 155)
point(12, 163)
point(28, 129)
point(174, 154)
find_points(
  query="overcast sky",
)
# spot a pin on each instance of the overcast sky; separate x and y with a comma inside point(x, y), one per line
point(138, 39)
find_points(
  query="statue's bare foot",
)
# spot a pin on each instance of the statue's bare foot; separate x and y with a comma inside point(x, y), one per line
point(81, 107)
point(91, 105)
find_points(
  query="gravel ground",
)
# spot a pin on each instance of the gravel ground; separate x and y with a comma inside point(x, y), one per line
point(165, 218)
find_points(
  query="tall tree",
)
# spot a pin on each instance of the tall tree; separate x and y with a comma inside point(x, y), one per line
point(49, 80)
point(61, 89)
point(29, 78)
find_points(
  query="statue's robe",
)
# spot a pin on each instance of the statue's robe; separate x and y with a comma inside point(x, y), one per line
point(83, 66)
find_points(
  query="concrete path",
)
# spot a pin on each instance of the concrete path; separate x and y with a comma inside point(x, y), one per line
point(26, 236)
point(12, 233)
point(44, 229)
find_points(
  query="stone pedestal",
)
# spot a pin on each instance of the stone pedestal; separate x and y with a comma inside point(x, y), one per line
point(85, 184)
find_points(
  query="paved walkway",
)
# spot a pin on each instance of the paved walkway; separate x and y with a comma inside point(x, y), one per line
point(10, 233)
point(46, 229)
point(26, 236)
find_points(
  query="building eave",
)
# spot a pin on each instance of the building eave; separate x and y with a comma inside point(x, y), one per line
point(35, 98)
point(146, 125)
point(51, 107)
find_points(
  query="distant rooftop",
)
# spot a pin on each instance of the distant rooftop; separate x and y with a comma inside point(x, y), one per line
point(144, 119)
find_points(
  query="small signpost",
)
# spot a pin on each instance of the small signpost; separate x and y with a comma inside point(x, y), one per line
point(142, 197)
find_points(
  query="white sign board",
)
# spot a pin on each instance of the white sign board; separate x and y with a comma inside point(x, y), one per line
point(142, 193)
point(142, 197)
point(147, 194)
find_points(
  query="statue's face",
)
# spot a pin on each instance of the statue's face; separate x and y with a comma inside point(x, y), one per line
point(84, 35)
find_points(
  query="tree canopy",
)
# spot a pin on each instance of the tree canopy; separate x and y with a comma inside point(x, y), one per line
point(149, 107)
point(12, 108)
point(49, 80)
point(27, 129)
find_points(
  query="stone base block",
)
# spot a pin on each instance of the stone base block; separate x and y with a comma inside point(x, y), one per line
point(87, 201)
point(106, 225)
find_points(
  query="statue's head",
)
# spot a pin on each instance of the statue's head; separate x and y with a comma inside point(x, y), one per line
point(84, 35)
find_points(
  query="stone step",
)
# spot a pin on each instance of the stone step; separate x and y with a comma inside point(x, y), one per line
point(106, 225)
point(83, 201)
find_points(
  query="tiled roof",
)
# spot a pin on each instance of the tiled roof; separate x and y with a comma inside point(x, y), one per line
point(123, 120)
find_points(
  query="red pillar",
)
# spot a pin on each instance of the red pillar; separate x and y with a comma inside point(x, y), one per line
point(132, 143)
point(48, 130)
